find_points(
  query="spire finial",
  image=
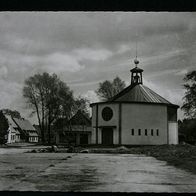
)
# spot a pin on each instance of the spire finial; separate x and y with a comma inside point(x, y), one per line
point(135, 60)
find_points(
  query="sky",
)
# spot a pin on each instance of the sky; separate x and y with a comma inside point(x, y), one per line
point(85, 48)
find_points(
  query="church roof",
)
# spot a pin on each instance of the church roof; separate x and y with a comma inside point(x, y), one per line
point(138, 93)
point(136, 69)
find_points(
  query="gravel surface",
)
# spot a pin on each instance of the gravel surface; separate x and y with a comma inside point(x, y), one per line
point(91, 172)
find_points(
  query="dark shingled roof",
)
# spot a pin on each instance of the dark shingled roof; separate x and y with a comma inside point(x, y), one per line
point(10, 121)
point(24, 124)
point(139, 93)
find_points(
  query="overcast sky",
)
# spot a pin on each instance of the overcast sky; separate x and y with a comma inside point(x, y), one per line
point(85, 48)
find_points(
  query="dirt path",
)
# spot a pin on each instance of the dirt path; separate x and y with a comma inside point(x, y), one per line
point(91, 172)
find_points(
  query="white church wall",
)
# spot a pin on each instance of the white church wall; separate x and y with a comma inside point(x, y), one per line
point(144, 116)
point(115, 136)
point(113, 122)
point(101, 122)
point(114, 119)
point(173, 132)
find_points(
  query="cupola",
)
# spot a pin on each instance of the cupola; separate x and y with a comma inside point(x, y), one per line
point(136, 74)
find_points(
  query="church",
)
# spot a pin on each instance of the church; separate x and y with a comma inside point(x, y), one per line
point(135, 116)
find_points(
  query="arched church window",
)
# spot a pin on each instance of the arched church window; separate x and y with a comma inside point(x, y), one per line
point(107, 114)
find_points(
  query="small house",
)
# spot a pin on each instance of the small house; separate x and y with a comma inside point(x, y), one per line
point(26, 129)
point(77, 131)
point(13, 134)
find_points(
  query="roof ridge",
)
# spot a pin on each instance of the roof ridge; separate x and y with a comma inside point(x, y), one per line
point(147, 99)
point(157, 95)
point(151, 98)
point(147, 95)
point(131, 86)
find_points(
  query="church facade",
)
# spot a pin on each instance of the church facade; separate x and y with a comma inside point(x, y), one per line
point(135, 116)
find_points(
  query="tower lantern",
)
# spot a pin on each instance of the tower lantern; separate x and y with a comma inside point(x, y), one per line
point(136, 73)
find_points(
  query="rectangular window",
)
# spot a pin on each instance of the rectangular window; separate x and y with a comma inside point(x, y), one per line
point(157, 132)
point(151, 131)
point(172, 114)
point(132, 131)
point(139, 131)
point(146, 132)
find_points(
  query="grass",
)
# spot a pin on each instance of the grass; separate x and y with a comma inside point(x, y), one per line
point(181, 156)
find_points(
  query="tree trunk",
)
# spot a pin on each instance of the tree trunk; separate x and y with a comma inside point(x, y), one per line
point(49, 131)
point(49, 134)
point(43, 126)
point(40, 126)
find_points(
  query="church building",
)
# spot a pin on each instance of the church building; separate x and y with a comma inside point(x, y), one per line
point(135, 116)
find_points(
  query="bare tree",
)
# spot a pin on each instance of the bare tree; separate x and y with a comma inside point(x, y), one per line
point(49, 98)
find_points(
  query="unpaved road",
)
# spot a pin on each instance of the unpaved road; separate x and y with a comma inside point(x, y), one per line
point(90, 172)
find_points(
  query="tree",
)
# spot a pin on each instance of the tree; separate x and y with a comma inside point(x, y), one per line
point(108, 89)
point(12, 113)
point(49, 98)
point(3, 128)
point(82, 104)
point(187, 129)
point(189, 104)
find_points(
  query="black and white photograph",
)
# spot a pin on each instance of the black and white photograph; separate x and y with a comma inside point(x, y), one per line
point(98, 101)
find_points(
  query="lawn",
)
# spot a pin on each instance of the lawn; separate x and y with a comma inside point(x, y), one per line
point(181, 156)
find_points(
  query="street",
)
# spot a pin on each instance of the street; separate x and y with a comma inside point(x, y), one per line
point(90, 172)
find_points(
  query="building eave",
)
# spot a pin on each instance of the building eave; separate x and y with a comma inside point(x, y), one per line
point(133, 102)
